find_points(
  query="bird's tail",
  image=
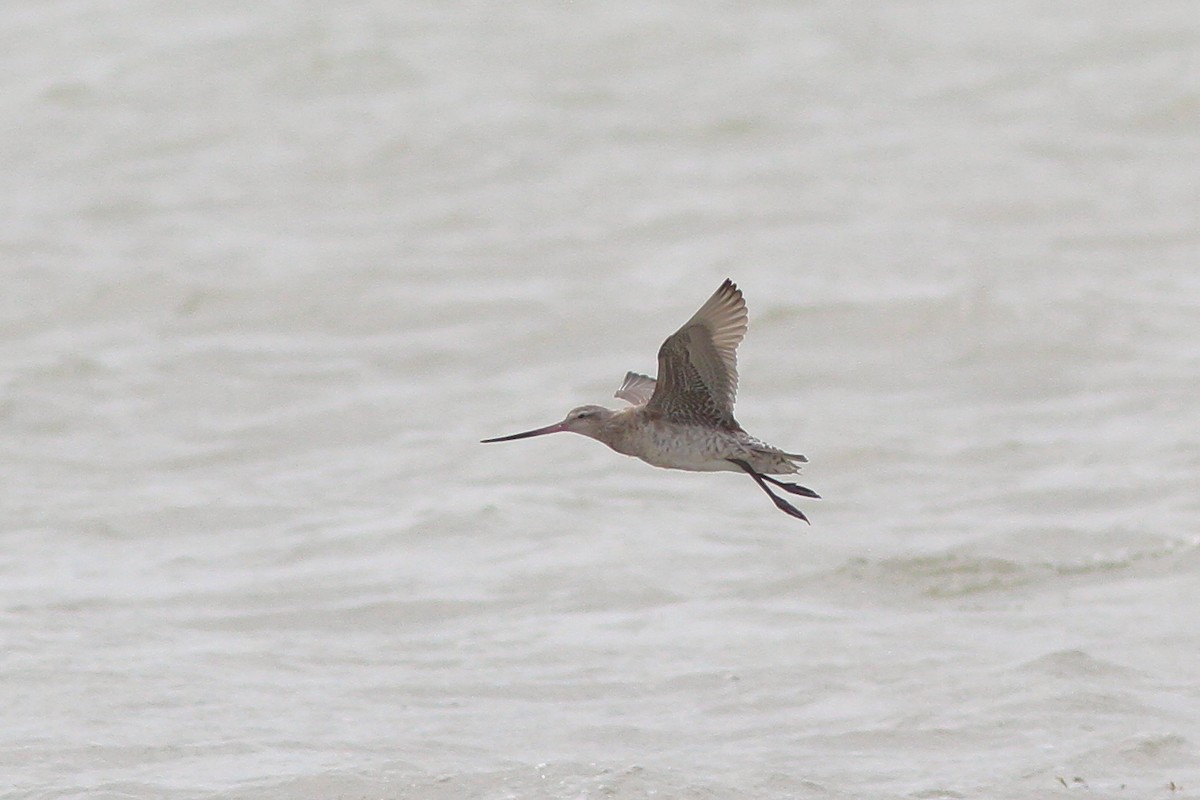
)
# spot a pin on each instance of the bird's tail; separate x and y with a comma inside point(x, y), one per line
point(771, 461)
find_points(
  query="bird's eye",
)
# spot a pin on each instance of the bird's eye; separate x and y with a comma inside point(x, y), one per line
point(583, 414)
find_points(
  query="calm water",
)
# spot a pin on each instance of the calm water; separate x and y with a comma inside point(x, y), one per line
point(271, 271)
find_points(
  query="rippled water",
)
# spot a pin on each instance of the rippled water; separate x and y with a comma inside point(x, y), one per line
point(271, 271)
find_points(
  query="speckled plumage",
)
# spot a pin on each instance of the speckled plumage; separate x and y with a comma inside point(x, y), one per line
point(697, 365)
point(684, 419)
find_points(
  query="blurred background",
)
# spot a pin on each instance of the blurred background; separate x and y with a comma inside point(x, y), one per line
point(270, 271)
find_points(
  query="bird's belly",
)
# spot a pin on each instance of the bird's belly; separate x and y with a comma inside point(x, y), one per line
point(691, 464)
point(686, 448)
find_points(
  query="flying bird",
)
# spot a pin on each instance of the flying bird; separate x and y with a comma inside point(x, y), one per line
point(684, 419)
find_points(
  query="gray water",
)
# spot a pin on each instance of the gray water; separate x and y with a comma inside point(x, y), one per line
point(270, 271)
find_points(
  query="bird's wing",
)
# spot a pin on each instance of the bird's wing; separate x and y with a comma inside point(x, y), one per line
point(636, 389)
point(697, 365)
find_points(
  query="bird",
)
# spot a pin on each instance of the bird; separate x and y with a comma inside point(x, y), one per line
point(684, 418)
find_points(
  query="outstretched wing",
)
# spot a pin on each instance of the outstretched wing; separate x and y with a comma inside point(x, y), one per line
point(697, 365)
point(636, 389)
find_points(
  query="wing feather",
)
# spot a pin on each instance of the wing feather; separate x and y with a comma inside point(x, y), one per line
point(636, 389)
point(697, 365)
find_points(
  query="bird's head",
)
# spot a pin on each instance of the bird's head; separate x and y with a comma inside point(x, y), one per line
point(587, 420)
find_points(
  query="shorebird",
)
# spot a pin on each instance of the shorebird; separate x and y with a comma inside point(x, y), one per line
point(684, 419)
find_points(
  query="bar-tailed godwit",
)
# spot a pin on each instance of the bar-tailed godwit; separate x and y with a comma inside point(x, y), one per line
point(684, 419)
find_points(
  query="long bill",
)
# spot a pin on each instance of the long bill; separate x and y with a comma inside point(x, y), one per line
point(555, 428)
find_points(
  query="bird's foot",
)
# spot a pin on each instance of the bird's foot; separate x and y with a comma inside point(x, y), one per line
point(780, 503)
point(793, 488)
point(788, 508)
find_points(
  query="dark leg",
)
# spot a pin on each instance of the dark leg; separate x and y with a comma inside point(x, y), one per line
point(793, 488)
point(780, 503)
